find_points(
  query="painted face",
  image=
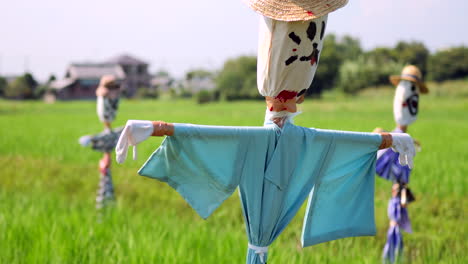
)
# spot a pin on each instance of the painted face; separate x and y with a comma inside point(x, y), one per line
point(288, 56)
point(405, 103)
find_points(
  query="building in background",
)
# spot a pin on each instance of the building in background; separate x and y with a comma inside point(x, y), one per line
point(82, 79)
point(136, 72)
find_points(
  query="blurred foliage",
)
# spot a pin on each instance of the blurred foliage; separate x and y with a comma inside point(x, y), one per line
point(149, 93)
point(238, 79)
point(334, 52)
point(343, 65)
point(449, 64)
point(363, 72)
point(23, 87)
point(329, 62)
point(3, 85)
point(414, 53)
point(205, 96)
point(198, 73)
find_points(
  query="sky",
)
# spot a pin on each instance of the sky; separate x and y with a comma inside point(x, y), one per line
point(45, 36)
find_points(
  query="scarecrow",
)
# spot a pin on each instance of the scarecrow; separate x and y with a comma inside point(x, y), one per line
point(277, 166)
point(108, 94)
point(405, 109)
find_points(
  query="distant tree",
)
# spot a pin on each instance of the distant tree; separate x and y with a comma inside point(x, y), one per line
point(162, 73)
point(198, 73)
point(237, 79)
point(449, 64)
point(51, 78)
point(327, 70)
point(3, 86)
point(356, 75)
point(364, 72)
point(381, 55)
point(334, 52)
point(20, 88)
point(30, 80)
point(414, 53)
point(388, 61)
point(145, 92)
point(349, 48)
point(204, 97)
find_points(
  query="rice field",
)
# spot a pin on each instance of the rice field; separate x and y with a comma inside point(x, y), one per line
point(48, 184)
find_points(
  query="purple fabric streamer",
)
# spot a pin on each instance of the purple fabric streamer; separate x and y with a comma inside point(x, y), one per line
point(394, 246)
point(388, 166)
point(399, 214)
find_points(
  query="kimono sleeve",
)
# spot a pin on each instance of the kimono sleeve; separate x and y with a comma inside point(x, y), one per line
point(341, 203)
point(204, 164)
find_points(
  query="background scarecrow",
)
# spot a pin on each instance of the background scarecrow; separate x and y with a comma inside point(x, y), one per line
point(405, 109)
point(277, 166)
point(108, 96)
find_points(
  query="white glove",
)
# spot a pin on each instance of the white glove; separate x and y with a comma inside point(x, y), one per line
point(404, 144)
point(135, 131)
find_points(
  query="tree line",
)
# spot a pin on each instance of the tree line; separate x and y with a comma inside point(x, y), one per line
point(343, 65)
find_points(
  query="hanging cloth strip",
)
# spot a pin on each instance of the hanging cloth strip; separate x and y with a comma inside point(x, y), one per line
point(389, 168)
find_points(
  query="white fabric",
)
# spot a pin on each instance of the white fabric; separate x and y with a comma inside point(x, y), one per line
point(106, 108)
point(276, 47)
point(100, 108)
point(135, 131)
point(270, 115)
point(261, 251)
point(401, 113)
point(404, 144)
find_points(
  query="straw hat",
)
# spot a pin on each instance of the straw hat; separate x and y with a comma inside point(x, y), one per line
point(108, 86)
point(295, 10)
point(413, 74)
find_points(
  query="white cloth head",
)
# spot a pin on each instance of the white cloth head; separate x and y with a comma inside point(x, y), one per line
point(135, 131)
point(288, 54)
point(405, 103)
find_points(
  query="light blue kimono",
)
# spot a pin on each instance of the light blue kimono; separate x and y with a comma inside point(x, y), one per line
point(275, 170)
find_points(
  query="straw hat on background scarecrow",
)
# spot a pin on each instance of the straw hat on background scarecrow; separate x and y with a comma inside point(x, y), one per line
point(274, 167)
point(413, 74)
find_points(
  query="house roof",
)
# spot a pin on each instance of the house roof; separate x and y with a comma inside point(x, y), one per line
point(126, 59)
point(93, 71)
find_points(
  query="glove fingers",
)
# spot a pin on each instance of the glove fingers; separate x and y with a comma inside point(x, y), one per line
point(121, 152)
point(121, 148)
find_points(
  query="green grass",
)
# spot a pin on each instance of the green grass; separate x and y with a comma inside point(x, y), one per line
point(48, 184)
